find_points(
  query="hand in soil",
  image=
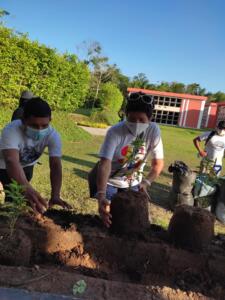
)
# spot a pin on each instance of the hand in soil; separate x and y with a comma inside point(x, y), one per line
point(60, 202)
point(104, 212)
point(143, 187)
point(38, 204)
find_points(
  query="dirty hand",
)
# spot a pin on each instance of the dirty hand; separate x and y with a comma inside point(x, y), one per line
point(37, 203)
point(143, 187)
point(202, 153)
point(104, 210)
point(60, 202)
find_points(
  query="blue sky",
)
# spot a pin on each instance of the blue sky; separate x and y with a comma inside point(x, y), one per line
point(168, 40)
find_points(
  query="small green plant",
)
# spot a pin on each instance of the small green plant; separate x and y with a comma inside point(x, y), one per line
point(17, 206)
point(79, 287)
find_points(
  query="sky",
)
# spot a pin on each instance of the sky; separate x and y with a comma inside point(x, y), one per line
point(168, 40)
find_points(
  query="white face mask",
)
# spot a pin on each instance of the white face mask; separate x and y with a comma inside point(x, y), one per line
point(220, 132)
point(136, 128)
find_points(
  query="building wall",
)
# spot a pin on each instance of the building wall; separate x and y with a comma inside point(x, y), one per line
point(191, 113)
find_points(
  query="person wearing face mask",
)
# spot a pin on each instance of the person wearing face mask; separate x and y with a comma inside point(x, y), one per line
point(124, 152)
point(22, 142)
point(213, 150)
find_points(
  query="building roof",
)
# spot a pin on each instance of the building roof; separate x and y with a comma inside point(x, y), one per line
point(168, 94)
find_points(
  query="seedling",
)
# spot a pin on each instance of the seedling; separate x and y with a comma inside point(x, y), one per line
point(79, 287)
point(17, 206)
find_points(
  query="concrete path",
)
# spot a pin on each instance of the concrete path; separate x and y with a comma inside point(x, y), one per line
point(95, 131)
point(20, 294)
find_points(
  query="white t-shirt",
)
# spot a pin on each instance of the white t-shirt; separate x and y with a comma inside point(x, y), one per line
point(127, 159)
point(14, 137)
point(215, 147)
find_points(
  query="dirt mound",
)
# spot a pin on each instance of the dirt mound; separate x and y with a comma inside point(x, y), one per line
point(129, 211)
point(80, 245)
point(191, 227)
point(15, 248)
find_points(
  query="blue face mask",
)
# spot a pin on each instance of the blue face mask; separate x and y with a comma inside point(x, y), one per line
point(36, 134)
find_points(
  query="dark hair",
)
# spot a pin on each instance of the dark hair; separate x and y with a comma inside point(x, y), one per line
point(139, 106)
point(25, 97)
point(37, 107)
point(221, 125)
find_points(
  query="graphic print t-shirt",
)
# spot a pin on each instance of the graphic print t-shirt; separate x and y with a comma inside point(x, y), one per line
point(14, 137)
point(215, 146)
point(128, 154)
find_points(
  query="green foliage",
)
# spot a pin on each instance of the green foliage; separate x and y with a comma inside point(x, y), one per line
point(18, 206)
point(105, 116)
point(92, 124)
point(59, 78)
point(110, 97)
point(79, 287)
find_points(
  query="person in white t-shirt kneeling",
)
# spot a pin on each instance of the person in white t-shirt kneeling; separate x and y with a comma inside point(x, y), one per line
point(124, 153)
point(214, 147)
point(22, 142)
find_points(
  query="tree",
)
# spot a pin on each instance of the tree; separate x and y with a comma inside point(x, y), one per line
point(140, 81)
point(177, 87)
point(195, 89)
point(61, 79)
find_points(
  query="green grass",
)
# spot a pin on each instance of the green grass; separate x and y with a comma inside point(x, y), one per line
point(80, 154)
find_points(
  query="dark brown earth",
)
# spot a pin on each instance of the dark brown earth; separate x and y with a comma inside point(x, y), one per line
point(128, 217)
point(61, 248)
point(191, 227)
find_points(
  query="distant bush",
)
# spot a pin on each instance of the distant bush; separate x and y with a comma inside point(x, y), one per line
point(92, 124)
point(61, 79)
point(105, 116)
point(110, 97)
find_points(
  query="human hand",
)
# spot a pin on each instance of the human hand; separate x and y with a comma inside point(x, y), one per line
point(203, 153)
point(60, 202)
point(104, 210)
point(143, 187)
point(37, 202)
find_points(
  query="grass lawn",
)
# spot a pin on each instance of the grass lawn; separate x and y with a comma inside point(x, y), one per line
point(80, 153)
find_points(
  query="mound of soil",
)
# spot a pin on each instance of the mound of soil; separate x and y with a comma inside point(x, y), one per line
point(66, 247)
point(130, 213)
point(15, 248)
point(191, 227)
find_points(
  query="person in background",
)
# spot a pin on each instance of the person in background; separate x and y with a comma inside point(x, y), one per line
point(24, 98)
point(213, 151)
point(124, 152)
point(22, 142)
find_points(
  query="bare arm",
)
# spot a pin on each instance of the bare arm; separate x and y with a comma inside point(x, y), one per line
point(56, 182)
point(15, 171)
point(156, 168)
point(197, 144)
point(103, 174)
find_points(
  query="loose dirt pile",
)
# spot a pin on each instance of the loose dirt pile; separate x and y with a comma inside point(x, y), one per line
point(191, 227)
point(63, 247)
point(129, 211)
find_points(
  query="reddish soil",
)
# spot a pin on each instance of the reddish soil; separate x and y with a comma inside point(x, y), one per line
point(128, 217)
point(191, 227)
point(62, 248)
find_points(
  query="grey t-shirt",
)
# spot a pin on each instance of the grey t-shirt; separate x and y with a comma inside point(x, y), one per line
point(14, 137)
point(128, 155)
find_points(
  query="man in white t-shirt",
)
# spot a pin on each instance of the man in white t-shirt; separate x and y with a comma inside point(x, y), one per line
point(214, 146)
point(22, 142)
point(124, 152)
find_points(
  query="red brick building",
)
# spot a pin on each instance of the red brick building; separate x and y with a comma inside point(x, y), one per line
point(213, 113)
point(183, 110)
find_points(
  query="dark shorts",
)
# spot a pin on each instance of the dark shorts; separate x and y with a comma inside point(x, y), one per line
point(4, 178)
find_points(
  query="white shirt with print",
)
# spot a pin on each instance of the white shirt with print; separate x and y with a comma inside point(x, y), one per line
point(118, 147)
point(215, 147)
point(14, 137)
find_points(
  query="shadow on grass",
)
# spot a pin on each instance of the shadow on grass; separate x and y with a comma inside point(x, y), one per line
point(160, 194)
point(78, 161)
point(80, 173)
